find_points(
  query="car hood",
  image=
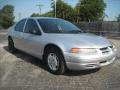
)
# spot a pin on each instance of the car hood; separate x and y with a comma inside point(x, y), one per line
point(83, 40)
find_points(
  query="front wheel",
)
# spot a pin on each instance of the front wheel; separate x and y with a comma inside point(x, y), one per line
point(55, 61)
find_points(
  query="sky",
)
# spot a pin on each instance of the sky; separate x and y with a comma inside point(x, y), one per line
point(24, 8)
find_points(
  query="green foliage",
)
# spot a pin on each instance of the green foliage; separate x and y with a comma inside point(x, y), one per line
point(91, 10)
point(6, 16)
point(63, 10)
point(35, 15)
point(1, 27)
point(85, 10)
point(53, 3)
point(48, 14)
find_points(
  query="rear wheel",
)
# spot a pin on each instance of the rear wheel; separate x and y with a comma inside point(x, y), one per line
point(55, 61)
point(11, 45)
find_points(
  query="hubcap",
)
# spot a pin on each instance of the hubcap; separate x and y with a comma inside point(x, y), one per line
point(53, 61)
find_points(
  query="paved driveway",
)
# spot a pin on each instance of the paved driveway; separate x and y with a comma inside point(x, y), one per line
point(21, 71)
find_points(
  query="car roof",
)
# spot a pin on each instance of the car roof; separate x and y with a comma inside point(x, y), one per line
point(41, 18)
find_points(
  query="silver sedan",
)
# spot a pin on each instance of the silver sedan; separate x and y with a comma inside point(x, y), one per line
point(60, 44)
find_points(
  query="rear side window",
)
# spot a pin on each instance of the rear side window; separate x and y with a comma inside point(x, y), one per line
point(20, 25)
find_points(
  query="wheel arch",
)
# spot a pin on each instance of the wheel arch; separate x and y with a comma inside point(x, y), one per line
point(51, 45)
point(55, 46)
point(9, 37)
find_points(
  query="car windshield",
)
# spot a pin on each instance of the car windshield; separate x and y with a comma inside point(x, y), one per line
point(58, 26)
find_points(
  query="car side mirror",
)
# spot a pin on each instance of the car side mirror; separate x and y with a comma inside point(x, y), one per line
point(35, 32)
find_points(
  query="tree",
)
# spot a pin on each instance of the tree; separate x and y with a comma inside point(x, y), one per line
point(77, 12)
point(53, 6)
point(91, 10)
point(85, 10)
point(47, 14)
point(63, 10)
point(35, 15)
point(118, 18)
point(7, 16)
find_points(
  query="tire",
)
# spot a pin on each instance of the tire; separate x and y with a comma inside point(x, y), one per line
point(11, 47)
point(58, 59)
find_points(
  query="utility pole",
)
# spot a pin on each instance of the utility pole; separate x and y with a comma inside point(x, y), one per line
point(39, 6)
point(55, 8)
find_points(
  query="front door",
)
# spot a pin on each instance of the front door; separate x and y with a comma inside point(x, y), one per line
point(32, 38)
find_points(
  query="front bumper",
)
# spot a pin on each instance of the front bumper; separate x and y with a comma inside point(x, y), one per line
point(75, 62)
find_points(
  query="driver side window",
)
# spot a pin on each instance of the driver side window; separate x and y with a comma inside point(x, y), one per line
point(31, 27)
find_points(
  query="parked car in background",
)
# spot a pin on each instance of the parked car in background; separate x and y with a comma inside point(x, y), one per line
point(60, 44)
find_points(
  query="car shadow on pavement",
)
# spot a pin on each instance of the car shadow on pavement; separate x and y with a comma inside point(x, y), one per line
point(27, 58)
point(37, 62)
point(81, 72)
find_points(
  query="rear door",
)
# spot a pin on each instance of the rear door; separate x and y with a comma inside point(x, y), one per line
point(18, 34)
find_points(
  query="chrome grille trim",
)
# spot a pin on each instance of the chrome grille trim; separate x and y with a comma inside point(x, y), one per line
point(106, 50)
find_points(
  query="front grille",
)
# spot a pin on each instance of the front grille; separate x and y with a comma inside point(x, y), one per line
point(103, 62)
point(111, 47)
point(103, 48)
point(106, 50)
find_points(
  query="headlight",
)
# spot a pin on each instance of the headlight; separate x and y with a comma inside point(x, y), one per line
point(83, 50)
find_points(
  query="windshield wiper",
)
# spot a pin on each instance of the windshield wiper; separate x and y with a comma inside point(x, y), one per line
point(76, 31)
